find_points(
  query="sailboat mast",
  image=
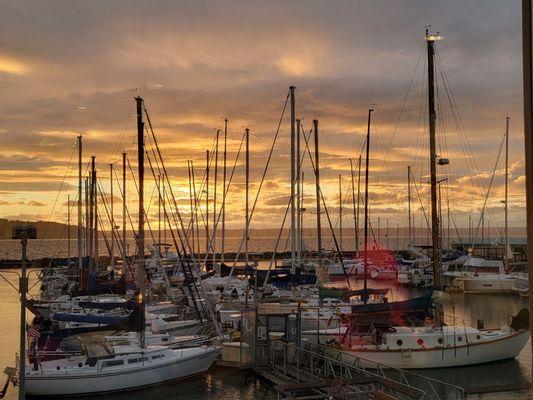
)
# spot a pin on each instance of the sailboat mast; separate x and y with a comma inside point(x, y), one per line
point(247, 189)
point(506, 201)
point(124, 239)
point(433, 162)
point(223, 236)
point(111, 208)
point(196, 208)
point(207, 203)
point(293, 177)
point(159, 214)
point(80, 234)
point(340, 213)
point(88, 249)
point(410, 225)
point(192, 204)
point(352, 173)
point(91, 219)
point(68, 230)
point(94, 216)
point(358, 204)
point(298, 198)
point(367, 164)
point(140, 231)
point(317, 190)
point(215, 200)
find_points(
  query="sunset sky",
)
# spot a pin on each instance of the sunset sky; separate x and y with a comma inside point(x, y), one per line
point(70, 67)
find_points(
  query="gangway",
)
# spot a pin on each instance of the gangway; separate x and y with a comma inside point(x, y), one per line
point(314, 371)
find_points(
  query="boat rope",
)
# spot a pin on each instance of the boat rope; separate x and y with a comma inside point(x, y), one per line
point(187, 247)
point(339, 253)
point(237, 255)
point(420, 200)
point(272, 259)
point(43, 236)
point(488, 192)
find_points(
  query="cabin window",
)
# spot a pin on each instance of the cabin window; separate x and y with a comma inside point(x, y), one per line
point(478, 337)
point(440, 340)
point(133, 360)
point(399, 342)
point(459, 339)
point(158, 356)
point(112, 363)
point(80, 365)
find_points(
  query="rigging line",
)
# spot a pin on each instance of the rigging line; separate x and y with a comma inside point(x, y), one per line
point(182, 226)
point(210, 242)
point(127, 208)
point(237, 255)
point(137, 189)
point(339, 253)
point(488, 191)
point(173, 214)
point(420, 200)
point(403, 106)
point(117, 238)
point(360, 195)
point(10, 284)
point(102, 232)
point(179, 252)
point(466, 147)
point(57, 198)
point(125, 126)
point(198, 203)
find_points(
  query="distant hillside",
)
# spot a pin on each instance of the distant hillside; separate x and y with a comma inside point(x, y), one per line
point(49, 230)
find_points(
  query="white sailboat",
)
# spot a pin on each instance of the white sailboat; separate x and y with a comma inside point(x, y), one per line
point(449, 346)
point(126, 368)
point(435, 345)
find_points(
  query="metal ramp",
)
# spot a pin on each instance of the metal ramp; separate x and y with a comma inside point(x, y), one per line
point(319, 372)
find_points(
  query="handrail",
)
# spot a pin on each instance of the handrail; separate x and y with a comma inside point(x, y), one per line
point(388, 367)
point(414, 380)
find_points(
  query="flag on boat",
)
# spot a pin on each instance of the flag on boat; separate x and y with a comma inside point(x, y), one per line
point(32, 332)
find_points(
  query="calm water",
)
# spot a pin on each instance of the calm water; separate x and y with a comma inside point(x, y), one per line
point(58, 248)
point(231, 384)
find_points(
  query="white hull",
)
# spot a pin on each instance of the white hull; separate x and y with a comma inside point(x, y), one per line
point(489, 351)
point(522, 286)
point(497, 285)
point(119, 378)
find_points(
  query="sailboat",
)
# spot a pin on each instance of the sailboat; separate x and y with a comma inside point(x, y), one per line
point(124, 368)
point(112, 367)
point(434, 345)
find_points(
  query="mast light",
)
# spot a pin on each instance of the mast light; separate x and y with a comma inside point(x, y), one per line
point(433, 38)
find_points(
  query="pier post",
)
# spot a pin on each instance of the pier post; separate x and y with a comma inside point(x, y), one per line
point(527, 53)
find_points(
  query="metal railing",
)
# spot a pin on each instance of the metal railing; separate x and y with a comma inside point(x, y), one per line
point(325, 363)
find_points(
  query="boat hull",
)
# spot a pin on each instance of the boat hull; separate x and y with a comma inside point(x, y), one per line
point(479, 353)
point(118, 380)
point(489, 286)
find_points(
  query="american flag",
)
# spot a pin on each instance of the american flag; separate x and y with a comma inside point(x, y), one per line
point(32, 332)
